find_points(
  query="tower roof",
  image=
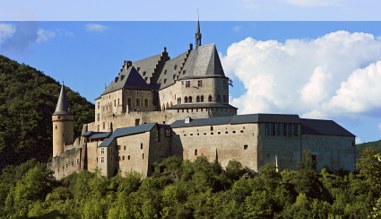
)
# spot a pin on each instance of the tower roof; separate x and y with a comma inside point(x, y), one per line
point(62, 107)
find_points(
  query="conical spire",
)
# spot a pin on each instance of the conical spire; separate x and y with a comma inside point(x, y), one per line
point(62, 107)
point(198, 33)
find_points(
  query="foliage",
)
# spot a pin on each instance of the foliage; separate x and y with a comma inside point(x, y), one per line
point(198, 189)
point(28, 99)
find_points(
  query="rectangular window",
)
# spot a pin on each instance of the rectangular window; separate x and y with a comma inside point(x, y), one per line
point(98, 117)
point(102, 150)
point(199, 83)
point(137, 121)
point(114, 103)
point(129, 101)
point(102, 159)
point(195, 152)
point(128, 157)
point(146, 102)
point(104, 125)
point(141, 146)
point(187, 83)
point(137, 101)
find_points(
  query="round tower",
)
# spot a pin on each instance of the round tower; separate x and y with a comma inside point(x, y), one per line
point(63, 125)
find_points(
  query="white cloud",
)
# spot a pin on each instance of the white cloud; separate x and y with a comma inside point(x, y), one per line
point(95, 27)
point(44, 35)
point(338, 74)
point(313, 3)
point(6, 31)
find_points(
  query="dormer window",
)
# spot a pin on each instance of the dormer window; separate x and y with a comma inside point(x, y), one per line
point(144, 73)
point(138, 68)
point(165, 71)
point(175, 67)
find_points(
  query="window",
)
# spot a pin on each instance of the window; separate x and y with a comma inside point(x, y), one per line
point(179, 100)
point(211, 128)
point(195, 152)
point(128, 157)
point(141, 146)
point(124, 148)
point(122, 157)
point(142, 156)
point(129, 101)
point(137, 121)
point(98, 105)
point(186, 100)
point(104, 125)
point(199, 83)
point(210, 98)
point(146, 102)
point(218, 98)
point(198, 99)
point(187, 83)
point(174, 68)
point(102, 159)
point(137, 101)
point(118, 102)
point(245, 147)
point(98, 118)
point(114, 103)
point(226, 99)
point(165, 71)
point(190, 99)
point(55, 127)
point(102, 150)
point(202, 98)
point(119, 147)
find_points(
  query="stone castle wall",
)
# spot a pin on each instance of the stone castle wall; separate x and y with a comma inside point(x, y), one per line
point(222, 142)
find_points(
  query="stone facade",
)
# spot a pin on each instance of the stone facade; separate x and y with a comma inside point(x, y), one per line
point(159, 107)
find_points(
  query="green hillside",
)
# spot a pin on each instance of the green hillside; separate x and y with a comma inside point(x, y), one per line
point(373, 144)
point(27, 101)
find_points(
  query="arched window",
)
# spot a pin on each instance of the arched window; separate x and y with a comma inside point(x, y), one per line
point(210, 98)
point(218, 98)
point(202, 98)
point(185, 99)
point(179, 100)
point(198, 99)
point(190, 99)
point(226, 99)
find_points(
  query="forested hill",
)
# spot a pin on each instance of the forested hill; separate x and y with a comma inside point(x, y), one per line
point(27, 101)
point(374, 144)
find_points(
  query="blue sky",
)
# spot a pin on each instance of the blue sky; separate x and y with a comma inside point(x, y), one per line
point(316, 69)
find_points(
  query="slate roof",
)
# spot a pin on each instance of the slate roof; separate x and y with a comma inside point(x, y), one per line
point(201, 105)
point(120, 132)
point(96, 135)
point(62, 107)
point(203, 62)
point(128, 79)
point(239, 119)
point(323, 127)
point(147, 65)
point(169, 72)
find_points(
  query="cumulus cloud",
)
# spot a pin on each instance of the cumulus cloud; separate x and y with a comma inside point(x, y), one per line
point(338, 74)
point(312, 3)
point(95, 27)
point(6, 31)
point(44, 35)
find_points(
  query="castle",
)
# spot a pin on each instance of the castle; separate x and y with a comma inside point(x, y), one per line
point(160, 107)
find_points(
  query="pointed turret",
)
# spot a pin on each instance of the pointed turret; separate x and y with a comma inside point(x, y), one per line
point(62, 107)
point(63, 125)
point(198, 34)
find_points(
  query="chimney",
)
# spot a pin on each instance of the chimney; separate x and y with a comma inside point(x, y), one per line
point(188, 120)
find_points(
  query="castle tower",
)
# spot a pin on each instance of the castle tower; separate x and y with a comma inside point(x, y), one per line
point(63, 125)
point(198, 34)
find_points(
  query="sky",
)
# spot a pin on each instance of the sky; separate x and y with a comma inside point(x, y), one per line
point(317, 59)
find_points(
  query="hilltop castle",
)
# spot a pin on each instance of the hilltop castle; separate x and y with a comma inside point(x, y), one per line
point(159, 107)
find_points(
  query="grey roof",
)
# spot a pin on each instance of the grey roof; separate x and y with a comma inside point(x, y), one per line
point(147, 66)
point(201, 105)
point(170, 70)
point(239, 119)
point(128, 79)
point(62, 107)
point(203, 62)
point(120, 132)
point(96, 135)
point(323, 127)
